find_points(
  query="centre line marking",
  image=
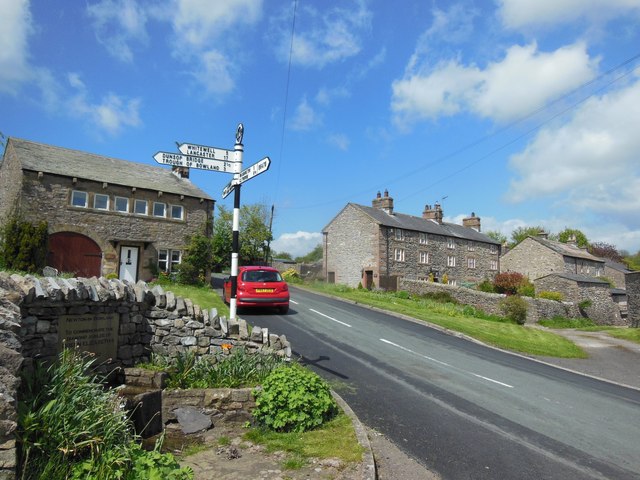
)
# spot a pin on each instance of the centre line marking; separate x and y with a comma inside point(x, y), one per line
point(445, 364)
point(330, 318)
point(293, 301)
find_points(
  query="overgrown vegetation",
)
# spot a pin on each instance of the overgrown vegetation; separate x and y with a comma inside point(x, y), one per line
point(233, 368)
point(563, 322)
point(557, 296)
point(197, 262)
point(23, 246)
point(293, 399)
point(71, 427)
point(512, 283)
point(514, 308)
point(291, 276)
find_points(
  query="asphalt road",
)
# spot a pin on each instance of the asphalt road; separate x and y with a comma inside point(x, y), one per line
point(459, 408)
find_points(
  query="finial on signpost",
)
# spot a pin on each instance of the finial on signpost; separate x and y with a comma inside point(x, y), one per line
point(239, 133)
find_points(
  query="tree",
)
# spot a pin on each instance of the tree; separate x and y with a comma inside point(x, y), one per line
point(633, 261)
point(23, 246)
point(605, 250)
point(520, 233)
point(569, 234)
point(198, 261)
point(497, 236)
point(313, 256)
point(283, 255)
point(254, 235)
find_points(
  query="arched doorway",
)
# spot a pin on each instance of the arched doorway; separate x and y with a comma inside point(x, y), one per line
point(75, 253)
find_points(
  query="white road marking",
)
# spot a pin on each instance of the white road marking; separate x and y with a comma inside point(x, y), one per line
point(330, 318)
point(445, 364)
point(293, 301)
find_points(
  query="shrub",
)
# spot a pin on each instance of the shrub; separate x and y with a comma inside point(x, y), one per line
point(445, 279)
point(440, 297)
point(294, 399)
point(402, 294)
point(291, 276)
point(527, 290)
point(557, 296)
point(23, 246)
point(486, 286)
point(509, 282)
point(514, 308)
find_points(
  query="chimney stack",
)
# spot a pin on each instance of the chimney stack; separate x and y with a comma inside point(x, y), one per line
point(472, 222)
point(180, 172)
point(434, 213)
point(383, 203)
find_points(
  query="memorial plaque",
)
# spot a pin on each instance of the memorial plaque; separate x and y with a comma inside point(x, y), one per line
point(96, 333)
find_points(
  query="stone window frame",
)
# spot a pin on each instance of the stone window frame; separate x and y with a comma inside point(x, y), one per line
point(139, 201)
point(451, 243)
point(79, 193)
point(424, 258)
point(398, 254)
point(453, 282)
point(102, 196)
point(493, 249)
point(493, 265)
point(171, 212)
point(471, 263)
point(164, 209)
point(399, 234)
point(471, 247)
point(115, 204)
point(451, 261)
point(424, 239)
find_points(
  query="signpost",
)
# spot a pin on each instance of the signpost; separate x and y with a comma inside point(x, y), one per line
point(220, 160)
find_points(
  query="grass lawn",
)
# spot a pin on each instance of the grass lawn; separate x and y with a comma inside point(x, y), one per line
point(205, 296)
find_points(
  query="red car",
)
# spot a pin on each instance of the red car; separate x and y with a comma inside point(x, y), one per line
point(259, 287)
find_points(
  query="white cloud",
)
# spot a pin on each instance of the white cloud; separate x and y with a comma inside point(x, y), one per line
point(111, 114)
point(591, 161)
point(197, 23)
point(453, 25)
point(339, 140)
point(519, 13)
point(14, 36)
point(524, 80)
point(305, 117)
point(215, 73)
point(118, 23)
point(322, 38)
point(297, 244)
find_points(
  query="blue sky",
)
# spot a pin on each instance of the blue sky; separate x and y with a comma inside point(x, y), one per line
point(525, 112)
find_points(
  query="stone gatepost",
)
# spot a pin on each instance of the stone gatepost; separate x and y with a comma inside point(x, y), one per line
point(632, 281)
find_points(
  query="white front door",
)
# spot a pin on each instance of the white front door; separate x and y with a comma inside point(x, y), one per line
point(129, 264)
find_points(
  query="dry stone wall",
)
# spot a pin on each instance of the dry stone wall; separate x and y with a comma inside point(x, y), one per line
point(122, 323)
point(490, 302)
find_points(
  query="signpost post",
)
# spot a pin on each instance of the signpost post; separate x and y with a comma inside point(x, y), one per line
point(220, 160)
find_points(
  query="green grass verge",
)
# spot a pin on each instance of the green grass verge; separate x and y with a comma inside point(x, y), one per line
point(631, 334)
point(334, 439)
point(464, 319)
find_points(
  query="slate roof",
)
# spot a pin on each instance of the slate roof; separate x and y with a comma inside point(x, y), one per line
point(566, 249)
point(616, 266)
point(419, 224)
point(39, 157)
point(576, 278)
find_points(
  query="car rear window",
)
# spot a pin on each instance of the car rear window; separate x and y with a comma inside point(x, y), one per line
point(261, 276)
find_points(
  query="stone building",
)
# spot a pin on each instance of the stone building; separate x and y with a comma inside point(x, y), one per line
point(374, 246)
point(538, 256)
point(616, 272)
point(105, 216)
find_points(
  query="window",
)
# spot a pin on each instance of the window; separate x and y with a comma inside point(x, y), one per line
point(101, 201)
point(140, 207)
point(471, 262)
point(424, 257)
point(471, 247)
point(168, 259)
point(176, 258)
point(399, 234)
point(451, 261)
point(121, 204)
point(79, 199)
point(424, 239)
point(176, 212)
point(494, 249)
point(453, 283)
point(493, 265)
point(399, 254)
point(451, 243)
point(159, 209)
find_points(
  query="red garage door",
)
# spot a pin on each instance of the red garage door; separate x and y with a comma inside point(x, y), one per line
point(72, 252)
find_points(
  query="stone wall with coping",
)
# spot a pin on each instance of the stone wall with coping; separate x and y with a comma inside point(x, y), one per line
point(150, 320)
point(490, 302)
